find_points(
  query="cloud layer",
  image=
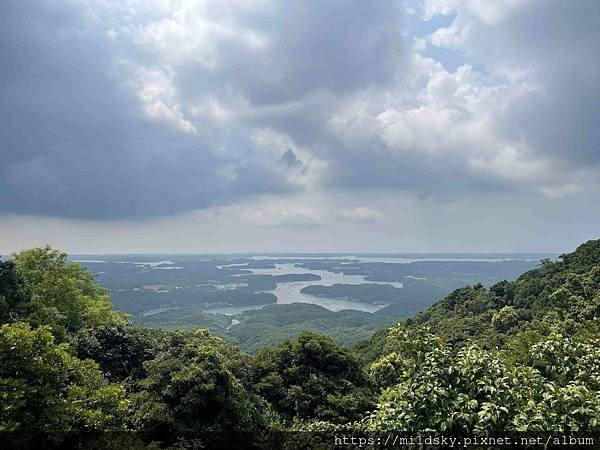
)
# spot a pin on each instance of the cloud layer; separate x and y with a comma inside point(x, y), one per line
point(142, 109)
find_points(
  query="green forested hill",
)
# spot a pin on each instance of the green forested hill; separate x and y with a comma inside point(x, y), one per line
point(562, 293)
point(274, 323)
point(519, 356)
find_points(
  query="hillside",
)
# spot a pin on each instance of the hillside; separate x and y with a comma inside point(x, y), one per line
point(520, 356)
point(561, 293)
point(272, 324)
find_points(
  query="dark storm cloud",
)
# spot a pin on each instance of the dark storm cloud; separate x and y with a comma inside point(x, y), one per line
point(75, 141)
point(290, 159)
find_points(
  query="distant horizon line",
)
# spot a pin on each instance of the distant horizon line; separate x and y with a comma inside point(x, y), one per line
point(408, 255)
point(390, 254)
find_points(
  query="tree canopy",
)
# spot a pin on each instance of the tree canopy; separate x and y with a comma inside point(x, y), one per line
point(44, 387)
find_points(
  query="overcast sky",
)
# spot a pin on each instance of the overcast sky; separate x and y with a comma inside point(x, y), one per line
point(298, 125)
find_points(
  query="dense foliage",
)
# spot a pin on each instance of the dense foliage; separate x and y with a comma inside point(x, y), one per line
point(429, 386)
point(43, 386)
point(312, 378)
point(191, 386)
point(519, 356)
point(60, 295)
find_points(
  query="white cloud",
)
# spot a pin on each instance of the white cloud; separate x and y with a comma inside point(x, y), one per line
point(158, 97)
point(432, 8)
point(283, 215)
point(511, 163)
point(304, 210)
point(560, 191)
point(360, 214)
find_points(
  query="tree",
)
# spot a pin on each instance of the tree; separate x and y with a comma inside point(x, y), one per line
point(44, 387)
point(312, 378)
point(505, 319)
point(63, 296)
point(189, 388)
point(14, 301)
point(120, 350)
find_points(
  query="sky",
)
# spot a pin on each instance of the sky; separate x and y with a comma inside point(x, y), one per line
point(201, 126)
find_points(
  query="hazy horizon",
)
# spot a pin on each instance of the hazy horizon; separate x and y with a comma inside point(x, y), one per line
point(326, 255)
